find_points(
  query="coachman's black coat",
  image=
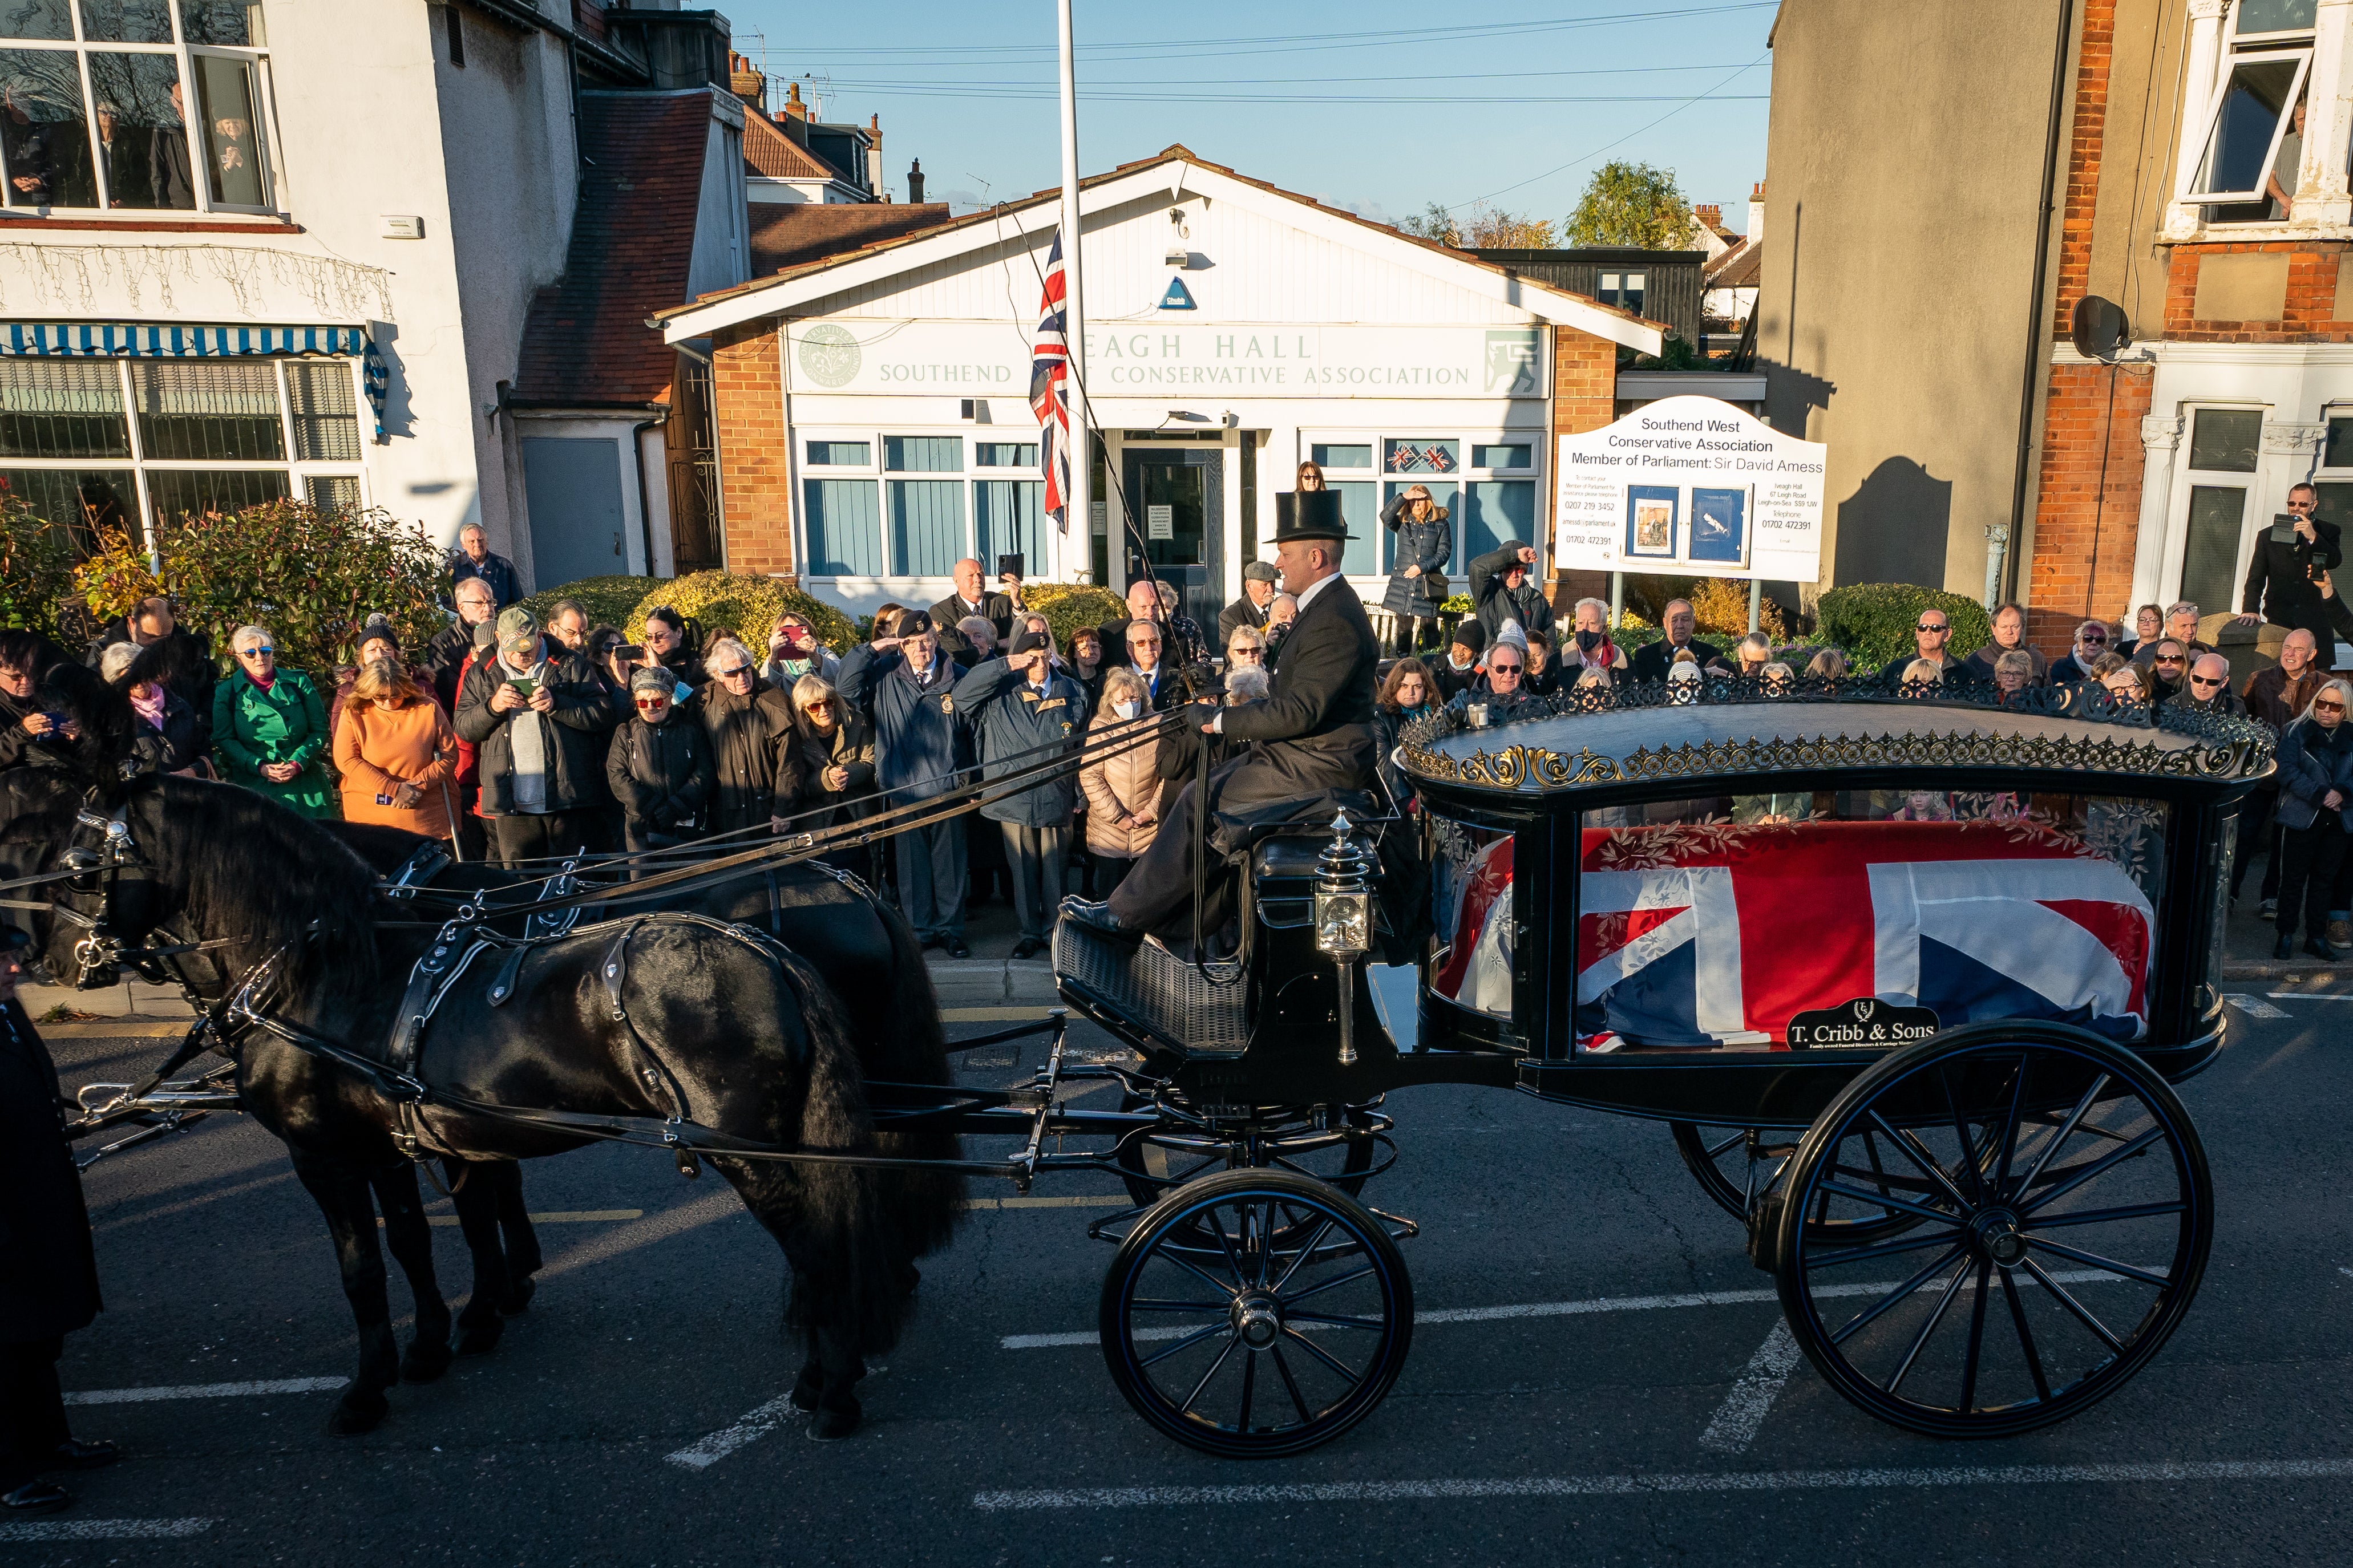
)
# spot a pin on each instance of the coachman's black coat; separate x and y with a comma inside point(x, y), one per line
point(49, 1272)
point(1314, 733)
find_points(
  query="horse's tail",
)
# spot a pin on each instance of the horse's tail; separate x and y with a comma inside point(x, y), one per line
point(864, 1289)
point(926, 1205)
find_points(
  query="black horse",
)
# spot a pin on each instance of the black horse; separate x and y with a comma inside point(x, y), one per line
point(718, 1026)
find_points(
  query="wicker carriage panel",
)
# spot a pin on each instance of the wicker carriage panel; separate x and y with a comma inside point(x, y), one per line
point(1155, 989)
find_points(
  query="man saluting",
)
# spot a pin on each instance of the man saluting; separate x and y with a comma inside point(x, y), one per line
point(1314, 733)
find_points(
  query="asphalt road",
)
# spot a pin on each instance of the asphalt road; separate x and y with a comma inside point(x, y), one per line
point(1572, 1435)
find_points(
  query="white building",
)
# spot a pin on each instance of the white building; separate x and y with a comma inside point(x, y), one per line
point(1234, 330)
point(264, 247)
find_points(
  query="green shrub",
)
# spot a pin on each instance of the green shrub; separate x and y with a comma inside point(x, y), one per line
point(37, 560)
point(607, 600)
point(312, 577)
point(1874, 621)
point(742, 606)
point(1066, 606)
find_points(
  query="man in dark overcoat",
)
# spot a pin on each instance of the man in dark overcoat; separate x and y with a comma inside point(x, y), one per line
point(1314, 731)
point(49, 1271)
point(2282, 580)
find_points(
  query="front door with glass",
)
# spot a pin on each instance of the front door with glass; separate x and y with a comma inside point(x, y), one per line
point(1175, 497)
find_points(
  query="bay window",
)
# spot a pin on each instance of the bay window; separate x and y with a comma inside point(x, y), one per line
point(97, 98)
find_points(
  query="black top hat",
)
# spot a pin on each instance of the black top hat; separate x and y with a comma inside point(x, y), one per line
point(1309, 514)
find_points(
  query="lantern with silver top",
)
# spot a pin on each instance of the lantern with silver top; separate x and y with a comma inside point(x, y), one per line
point(1344, 915)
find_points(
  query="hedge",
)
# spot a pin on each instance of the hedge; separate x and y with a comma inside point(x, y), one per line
point(1874, 621)
point(743, 606)
point(1066, 606)
point(607, 600)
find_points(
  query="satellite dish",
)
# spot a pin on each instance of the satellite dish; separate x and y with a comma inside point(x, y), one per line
point(2099, 328)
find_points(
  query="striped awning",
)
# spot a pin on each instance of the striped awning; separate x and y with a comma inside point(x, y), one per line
point(107, 340)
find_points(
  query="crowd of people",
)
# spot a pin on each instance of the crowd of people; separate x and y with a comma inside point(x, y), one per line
point(513, 739)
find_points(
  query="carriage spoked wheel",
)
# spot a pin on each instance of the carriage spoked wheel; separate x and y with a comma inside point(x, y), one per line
point(2063, 1233)
point(1289, 1336)
point(1736, 1165)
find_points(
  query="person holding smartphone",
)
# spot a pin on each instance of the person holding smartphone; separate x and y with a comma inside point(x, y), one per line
point(2290, 558)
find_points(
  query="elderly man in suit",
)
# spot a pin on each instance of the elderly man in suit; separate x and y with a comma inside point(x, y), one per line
point(1314, 733)
point(971, 597)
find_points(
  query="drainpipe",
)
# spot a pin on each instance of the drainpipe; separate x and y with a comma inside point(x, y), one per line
point(2002, 573)
point(645, 509)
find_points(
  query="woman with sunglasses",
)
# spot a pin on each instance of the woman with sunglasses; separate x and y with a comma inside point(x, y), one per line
point(270, 728)
point(2316, 772)
point(2168, 670)
point(660, 768)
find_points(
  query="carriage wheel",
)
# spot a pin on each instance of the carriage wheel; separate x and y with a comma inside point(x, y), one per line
point(1287, 1338)
point(2064, 1231)
point(1722, 1161)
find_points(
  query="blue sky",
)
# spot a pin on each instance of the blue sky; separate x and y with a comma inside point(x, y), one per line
point(1374, 105)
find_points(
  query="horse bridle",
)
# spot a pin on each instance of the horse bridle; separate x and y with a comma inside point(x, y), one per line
point(96, 870)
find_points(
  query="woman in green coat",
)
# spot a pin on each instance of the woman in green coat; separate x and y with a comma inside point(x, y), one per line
point(270, 729)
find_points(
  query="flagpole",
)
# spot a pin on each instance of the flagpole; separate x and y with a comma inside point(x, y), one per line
point(1080, 518)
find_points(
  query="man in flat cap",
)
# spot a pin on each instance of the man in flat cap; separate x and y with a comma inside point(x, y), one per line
point(1022, 708)
point(1250, 610)
point(1314, 733)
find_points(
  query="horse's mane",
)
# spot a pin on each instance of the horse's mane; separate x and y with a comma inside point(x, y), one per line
point(255, 869)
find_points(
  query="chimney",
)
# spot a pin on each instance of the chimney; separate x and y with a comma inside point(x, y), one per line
point(915, 181)
point(793, 118)
point(745, 80)
point(1756, 213)
point(1711, 216)
point(874, 158)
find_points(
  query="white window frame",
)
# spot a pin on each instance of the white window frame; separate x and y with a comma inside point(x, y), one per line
point(139, 465)
point(2230, 60)
point(2187, 478)
point(1467, 440)
point(183, 52)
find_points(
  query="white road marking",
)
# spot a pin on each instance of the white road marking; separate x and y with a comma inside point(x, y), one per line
point(2256, 1007)
point(1073, 1203)
point(753, 1426)
point(206, 1391)
point(1555, 1309)
point(1638, 1485)
point(1744, 1409)
point(561, 1216)
point(105, 1528)
point(2310, 995)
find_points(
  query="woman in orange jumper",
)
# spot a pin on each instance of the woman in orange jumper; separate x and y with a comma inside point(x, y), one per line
point(396, 752)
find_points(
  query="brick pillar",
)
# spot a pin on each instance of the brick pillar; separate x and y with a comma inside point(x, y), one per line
point(747, 396)
point(1583, 397)
point(2087, 510)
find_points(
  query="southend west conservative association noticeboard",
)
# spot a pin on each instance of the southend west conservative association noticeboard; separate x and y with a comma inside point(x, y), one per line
point(1689, 486)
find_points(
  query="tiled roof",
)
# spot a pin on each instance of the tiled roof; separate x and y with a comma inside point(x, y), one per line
point(1173, 149)
point(788, 235)
point(586, 340)
point(772, 152)
point(1742, 267)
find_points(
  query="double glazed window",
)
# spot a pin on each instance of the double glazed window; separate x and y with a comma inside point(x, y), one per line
point(103, 443)
point(1488, 486)
point(2250, 146)
point(134, 104)
point(929, 503)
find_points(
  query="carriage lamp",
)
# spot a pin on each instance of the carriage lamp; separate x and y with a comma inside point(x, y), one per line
point(1344, 917)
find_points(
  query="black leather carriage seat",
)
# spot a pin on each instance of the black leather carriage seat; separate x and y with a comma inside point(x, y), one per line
point(1163, 994)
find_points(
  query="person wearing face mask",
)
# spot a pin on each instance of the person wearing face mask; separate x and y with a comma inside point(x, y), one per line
point(1023, 707)
point(906, 689)
point(1592, 648)
point(1122, 787)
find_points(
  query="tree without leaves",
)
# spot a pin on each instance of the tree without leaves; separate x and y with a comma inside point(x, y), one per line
point(1487, 228)
point(1631, 205)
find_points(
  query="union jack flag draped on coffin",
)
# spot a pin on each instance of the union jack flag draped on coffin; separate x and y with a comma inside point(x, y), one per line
point(1709, 933)
point(1049, 394)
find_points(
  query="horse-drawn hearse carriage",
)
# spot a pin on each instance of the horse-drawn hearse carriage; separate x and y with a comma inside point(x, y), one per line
point(1911, 977)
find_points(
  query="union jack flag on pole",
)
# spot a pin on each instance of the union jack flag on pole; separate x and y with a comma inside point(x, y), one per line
point(1048, 390)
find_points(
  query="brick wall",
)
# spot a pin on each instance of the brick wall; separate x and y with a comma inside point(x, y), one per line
point(754, 469)
point(1583, 397)
point(2310, 311)
point(2086, 526)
